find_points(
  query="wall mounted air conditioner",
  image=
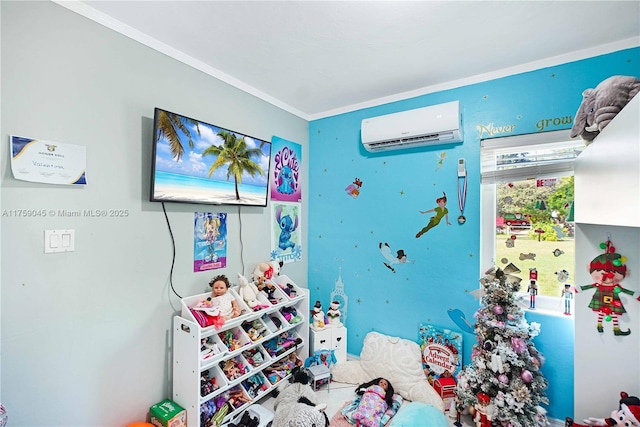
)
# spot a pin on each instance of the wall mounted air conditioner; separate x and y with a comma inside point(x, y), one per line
point(433, 125)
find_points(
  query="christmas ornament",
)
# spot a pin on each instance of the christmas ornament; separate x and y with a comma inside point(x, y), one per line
point(526, 376)
point(518, 345)
point(563, 275)
point(498, 310)
point(503, 379)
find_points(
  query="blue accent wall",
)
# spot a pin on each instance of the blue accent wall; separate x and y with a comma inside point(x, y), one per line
point(345, 232)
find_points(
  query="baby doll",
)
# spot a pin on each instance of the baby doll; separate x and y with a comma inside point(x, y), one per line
point(222, 301)
point(377, 397)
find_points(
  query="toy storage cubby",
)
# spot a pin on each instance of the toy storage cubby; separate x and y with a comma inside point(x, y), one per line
point(254, 341)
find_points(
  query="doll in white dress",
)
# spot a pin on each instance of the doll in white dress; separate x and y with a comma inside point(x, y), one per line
point(222, 302)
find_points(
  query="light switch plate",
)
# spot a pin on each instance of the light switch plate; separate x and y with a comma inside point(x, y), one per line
point(59, 241)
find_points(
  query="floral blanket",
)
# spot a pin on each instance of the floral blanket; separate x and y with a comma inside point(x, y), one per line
point(352, 407)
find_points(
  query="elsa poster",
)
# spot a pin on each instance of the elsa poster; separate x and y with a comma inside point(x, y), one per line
point(285, 175)
point(210, 241)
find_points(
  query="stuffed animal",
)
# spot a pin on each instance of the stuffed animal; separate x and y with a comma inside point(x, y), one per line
point(266, 270)
point(627, 414)
point(295, 403)
point(600, 105)
point(262, 274)
point(249, 293)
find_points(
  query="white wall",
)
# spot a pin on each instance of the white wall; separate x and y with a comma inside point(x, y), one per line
point(86, 336)
point(605, 364)
point(607, 206)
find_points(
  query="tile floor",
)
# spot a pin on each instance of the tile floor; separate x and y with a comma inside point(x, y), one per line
point(336, 394)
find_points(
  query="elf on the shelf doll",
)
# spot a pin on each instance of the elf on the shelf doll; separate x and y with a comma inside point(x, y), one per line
point(607, 271)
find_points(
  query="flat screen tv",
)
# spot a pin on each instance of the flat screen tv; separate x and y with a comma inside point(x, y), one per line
point(197, 162)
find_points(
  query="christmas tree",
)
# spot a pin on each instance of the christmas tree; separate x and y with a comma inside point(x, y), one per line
point(503, 385)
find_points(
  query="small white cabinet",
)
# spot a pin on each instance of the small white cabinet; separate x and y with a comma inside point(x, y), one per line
point(258, 352)
point(331, 338)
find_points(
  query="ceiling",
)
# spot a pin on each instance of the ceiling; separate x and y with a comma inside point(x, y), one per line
point(319, 58)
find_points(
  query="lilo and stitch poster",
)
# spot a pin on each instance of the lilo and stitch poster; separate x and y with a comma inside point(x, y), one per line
point(209, 241)
point(286, 234)
point(285, 175)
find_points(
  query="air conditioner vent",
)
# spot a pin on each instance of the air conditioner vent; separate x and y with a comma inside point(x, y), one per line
point(437, 124)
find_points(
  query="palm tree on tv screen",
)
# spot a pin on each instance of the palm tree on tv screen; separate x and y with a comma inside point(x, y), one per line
point(237, 155)
point(169, 125)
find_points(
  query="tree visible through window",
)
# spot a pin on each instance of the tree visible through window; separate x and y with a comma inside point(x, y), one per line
point(535, 231)
point(527, 208)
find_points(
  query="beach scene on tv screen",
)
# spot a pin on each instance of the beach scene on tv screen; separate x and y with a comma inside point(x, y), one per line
point(196, 162)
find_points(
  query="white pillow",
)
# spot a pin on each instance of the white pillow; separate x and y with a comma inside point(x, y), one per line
point(396, 359)
point(349, 372)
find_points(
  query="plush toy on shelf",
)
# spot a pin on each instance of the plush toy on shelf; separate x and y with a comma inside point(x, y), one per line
point(263, 274)
point(627, 414)
point(249, 293)
point(600, 105)
point(266, 270)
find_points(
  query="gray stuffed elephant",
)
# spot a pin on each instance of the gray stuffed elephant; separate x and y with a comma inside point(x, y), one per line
point(600, 105)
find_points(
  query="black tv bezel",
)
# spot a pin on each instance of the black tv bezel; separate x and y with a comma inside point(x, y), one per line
point(152, 180)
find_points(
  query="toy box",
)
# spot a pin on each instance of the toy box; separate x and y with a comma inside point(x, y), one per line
point(168, 414)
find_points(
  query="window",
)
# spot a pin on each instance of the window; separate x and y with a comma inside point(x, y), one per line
point(527, 208)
